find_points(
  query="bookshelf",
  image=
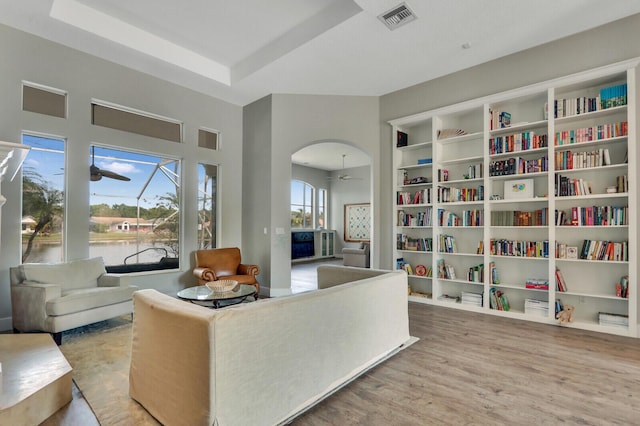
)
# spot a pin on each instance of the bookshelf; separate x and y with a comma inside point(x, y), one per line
point(494, 197)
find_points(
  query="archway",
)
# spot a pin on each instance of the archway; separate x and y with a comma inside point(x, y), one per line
point(342, 173)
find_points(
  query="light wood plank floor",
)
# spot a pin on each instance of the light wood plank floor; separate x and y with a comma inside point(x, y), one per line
point(475, 369)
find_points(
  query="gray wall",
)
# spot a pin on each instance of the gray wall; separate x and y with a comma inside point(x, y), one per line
point(26, 57)
point(298, 121)
point(598, 47)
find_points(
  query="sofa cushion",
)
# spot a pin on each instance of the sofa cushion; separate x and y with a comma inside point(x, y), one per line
point(72, 275)
point(88, 298)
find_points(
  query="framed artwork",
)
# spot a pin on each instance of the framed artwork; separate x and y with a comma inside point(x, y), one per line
point(357, 222)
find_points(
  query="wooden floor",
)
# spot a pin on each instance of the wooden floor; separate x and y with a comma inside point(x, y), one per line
point(475, 369)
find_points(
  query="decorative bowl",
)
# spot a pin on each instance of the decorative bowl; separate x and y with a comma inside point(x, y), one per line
point(220, 286)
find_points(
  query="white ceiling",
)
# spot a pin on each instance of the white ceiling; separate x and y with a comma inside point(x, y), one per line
point(242, 50)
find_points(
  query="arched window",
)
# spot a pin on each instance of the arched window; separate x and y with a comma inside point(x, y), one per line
point(302, 195)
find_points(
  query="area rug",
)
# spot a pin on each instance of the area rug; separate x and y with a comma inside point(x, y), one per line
point(99, 355)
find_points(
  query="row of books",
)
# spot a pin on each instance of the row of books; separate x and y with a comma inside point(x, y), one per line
point(622, 184)
point(447, 244)
point(476, 273)
point(566, 187)
point(622, 287)
point(518, 166)
point(518, 248)
point(605, 250)
point(493, 273)
point(405, 242)
point(517, 142)
point(561, 284)
point(498, 300)
point(535, 307)
point(450, 195)
point(608, 97)
point(593, 133)
point(499, 119)
point(473, 299)
point(537, 283)
point(613, 320)
point(539, 217)
point(567, 160)
point(613, 96)
point(466, 218)
point(475, 171)
point(593, 216)
point(423, 218)
point(445, 270)
point(422, 196)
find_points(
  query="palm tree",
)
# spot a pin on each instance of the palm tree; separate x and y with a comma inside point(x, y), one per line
point(41, 202)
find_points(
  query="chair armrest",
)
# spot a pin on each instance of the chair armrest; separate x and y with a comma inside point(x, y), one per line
point(114, 280)
point(204, 274)
point(28, 304)
point(248, 269)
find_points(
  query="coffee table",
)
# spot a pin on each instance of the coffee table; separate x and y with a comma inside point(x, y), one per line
point(202, 295)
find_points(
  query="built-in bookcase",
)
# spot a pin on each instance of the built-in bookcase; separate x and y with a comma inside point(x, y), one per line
point(497, 199)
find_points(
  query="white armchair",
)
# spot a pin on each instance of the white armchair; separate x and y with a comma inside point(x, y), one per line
point(55, 297)
point(356, 256)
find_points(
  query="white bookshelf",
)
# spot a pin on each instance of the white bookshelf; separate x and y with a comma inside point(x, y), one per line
point(472, 197)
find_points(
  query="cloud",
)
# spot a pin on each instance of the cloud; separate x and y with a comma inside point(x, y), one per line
point(118, 167)
point(31, 162)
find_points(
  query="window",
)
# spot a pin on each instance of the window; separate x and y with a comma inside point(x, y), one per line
point(43, 200)
point(301, 204)
point(44, 100)
point(134, 207)
point(208, 139)
point(207, 205)
point(322, 208)
point(129, 120)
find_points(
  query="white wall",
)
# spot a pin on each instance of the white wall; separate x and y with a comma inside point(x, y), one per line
point(354, 191)
point(601, 46)
point(26, 57)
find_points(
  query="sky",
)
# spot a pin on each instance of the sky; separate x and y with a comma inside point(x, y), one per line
point(47, 159)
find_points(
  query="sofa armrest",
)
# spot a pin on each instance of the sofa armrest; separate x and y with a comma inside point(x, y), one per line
point(114, 280)
point(28, 304)
point(244, 269)
point(348, 250)
point(204, 274)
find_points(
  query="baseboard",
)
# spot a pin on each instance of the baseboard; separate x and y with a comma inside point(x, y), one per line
point(404, 346)
point(277, 292)
point(6, 324)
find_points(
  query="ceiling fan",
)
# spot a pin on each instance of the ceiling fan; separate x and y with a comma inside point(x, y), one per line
point(344, 176)
point(96, 173)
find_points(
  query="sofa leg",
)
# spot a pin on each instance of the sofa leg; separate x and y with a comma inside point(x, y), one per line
point(16, 331)
point(57, 337)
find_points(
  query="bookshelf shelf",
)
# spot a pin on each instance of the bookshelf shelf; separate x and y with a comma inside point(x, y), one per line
point(535, 124)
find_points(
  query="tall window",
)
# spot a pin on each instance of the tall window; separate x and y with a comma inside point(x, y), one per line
point(207, 204)
point(43, 200)
point(135, 209)
point(301, 204)
point(322, 208)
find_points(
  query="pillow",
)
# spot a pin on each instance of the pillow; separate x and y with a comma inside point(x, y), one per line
point(81, 273)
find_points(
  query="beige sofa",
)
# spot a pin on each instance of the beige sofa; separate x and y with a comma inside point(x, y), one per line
point(55, 297)
point(264, 362)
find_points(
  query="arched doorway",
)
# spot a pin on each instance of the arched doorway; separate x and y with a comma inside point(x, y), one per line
point(340, 176)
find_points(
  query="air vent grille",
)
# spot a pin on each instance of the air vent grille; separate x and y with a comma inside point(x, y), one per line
point(398, 16)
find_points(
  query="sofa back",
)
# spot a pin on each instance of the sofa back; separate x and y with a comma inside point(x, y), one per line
point(268, 359)
point(82, 273)
point(332, 275)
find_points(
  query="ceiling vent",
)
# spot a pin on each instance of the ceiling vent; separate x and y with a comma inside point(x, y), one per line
point(398, 16)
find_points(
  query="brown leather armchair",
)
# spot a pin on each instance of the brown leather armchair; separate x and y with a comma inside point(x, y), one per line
point(225, 263)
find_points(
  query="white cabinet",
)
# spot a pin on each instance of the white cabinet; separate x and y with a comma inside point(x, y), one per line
point(496, 197)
